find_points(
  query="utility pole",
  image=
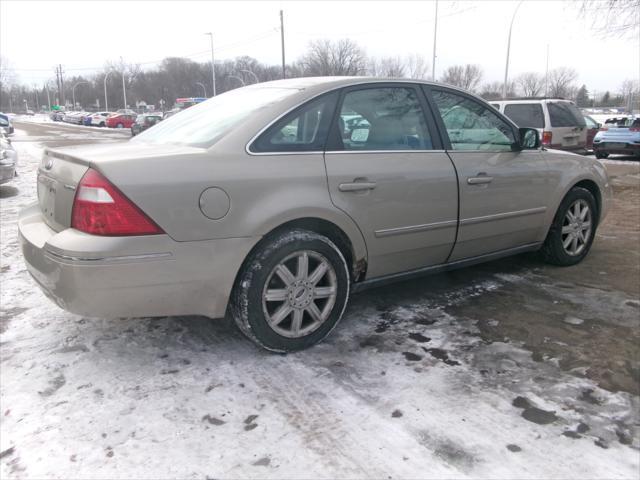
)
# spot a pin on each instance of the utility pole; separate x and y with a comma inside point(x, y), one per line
point(284, 72)
point(62, 98)
point(435, 33)
point(213, 64)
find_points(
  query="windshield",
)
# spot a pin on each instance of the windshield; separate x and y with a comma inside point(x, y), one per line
point(203, 124)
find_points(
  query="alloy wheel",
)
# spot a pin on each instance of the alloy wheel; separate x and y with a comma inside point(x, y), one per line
point(576, 228)
point(297, 304)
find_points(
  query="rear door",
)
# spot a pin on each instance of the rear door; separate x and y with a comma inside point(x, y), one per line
point(387, 170)
point(503, 191)
point(567, 126)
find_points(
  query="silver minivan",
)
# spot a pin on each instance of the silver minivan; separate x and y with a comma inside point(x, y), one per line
point(560, 124)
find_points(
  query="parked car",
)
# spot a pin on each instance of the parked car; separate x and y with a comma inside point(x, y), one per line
point(99, 119)
point(57, 115)
point(8, 160)
point(120, 120)
point(170, 113)
point(145, 121)
point(617, 139)
point(86, 119)
point(560, 123)
point(5, 124)
point(74, 117)
point(278, 230)
point(592, 129)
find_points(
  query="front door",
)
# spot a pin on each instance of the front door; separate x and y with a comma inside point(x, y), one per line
point(387, 170)
point(503, 191)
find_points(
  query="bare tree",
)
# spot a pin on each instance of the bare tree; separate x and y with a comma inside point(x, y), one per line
point(561, 82)
point(387, 67)
point(613, 18)
point(324, 57)
point(7, 75)
point(493, 90)
point(630, 92)
point(463, 76)
point(531, 84)
point(417, 66)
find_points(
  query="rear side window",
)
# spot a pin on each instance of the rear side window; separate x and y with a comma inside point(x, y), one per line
point(303, 130)
point(386, 118)
point(565, 114)
point(526, 114)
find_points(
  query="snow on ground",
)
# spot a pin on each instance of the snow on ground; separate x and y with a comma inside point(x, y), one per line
point(399, 390)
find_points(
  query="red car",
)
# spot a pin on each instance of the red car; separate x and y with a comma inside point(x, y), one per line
point(121, 120)
point(592, 129)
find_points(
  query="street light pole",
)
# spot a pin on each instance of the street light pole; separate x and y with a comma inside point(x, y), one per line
point(435, 32)
point(213, 65)
point(73, 92)
point(506, 68)
point(284, 71)
point(106, 102)
point(253, 74)
point(237, 78)
point(46, 86)
point(204, 90)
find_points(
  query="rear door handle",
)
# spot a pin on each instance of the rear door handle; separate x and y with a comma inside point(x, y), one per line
point(356, 186)
point(479, 180)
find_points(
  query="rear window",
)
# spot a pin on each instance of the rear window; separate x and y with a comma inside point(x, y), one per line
point(204, 123)
point(565, 114)
point(526, 114)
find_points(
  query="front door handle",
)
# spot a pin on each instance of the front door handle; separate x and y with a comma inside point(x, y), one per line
point(356, 186)
point(481, 179)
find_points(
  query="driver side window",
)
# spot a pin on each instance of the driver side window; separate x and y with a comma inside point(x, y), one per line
point(471, 125)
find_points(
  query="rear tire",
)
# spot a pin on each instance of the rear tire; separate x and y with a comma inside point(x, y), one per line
point(600, 155)
point(573, 229)
point(291, 292)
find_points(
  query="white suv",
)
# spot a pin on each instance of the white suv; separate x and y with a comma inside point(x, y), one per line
point(560, 123)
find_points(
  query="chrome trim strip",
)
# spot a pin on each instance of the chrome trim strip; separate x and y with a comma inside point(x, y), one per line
point(337, 152)
point(502, 216)
point(443, 267)
point(414, 228)
point(146, 256)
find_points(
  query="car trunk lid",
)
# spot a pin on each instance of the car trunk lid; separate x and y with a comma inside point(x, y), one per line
point(61, 170)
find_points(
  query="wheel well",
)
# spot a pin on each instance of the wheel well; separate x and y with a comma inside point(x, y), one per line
point(326, 228)
point(595, 191)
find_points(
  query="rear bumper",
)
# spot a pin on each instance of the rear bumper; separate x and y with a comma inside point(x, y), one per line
point(627, 149)
point(130, 276)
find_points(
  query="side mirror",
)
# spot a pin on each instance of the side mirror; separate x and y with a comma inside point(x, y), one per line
point(529, 139)
point(599, 125)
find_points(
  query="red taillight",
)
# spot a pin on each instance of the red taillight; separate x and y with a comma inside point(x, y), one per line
point(546, 138)
point(603, 129)
point(99, 208)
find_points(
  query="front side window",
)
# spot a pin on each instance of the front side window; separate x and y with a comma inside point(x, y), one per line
point(383, 119)
point(471, 125)
point(526, 114)
point(565, 114)
point(304, 130)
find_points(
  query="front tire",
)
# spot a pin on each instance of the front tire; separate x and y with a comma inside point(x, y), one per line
point(291, 292)
point(573, 230)
point(601, 155)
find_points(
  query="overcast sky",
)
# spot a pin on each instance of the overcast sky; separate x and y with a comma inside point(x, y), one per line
point(34, 36)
